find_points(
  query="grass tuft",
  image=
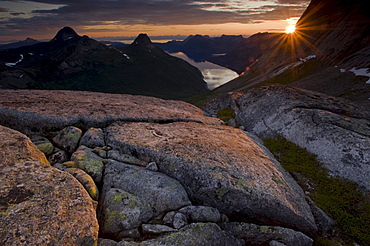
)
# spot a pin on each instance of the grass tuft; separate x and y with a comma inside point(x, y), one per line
point(340, 199)
point(226, 114)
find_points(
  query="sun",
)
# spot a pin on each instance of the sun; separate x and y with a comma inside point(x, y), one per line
point(290, 29)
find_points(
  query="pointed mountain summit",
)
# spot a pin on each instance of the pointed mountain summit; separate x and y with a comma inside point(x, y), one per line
point(64, 34)
point(143, 39)
point(74, 62)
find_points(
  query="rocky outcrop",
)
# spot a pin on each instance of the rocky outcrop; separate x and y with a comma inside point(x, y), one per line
point(166, 173)
point(39, 204)
point(37, 111)
point(218, 171)
point(337, 131)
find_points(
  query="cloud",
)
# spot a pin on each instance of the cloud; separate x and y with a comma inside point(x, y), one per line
point(85, 13)
point(17, 13)
point(4, 10)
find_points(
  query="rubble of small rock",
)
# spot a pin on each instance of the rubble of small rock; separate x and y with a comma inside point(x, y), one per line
point(178, 178)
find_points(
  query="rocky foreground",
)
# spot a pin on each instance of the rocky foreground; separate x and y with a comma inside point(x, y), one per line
point(133, 170)
point(334, 129)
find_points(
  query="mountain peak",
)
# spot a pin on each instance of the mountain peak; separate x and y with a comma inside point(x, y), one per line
point(64, 34)
point(30, 40)
point(143, 39)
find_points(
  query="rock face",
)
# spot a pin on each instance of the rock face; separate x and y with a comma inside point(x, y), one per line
point(33, 111)
point(196, 234)
point(40, 205)
point(261, 235)
point(337, 131)
point(218, 171)
point(166, 173)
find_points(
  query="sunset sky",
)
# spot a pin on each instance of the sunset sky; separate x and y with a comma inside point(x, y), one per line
point(41, 19)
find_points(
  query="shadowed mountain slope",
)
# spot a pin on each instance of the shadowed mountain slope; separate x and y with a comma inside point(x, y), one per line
point(329, 53)
point(70, 61)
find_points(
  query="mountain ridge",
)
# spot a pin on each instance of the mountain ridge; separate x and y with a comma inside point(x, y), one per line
point(70, 61)
point(324, 55)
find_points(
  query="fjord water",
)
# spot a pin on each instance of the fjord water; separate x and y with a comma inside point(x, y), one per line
point(214, 75)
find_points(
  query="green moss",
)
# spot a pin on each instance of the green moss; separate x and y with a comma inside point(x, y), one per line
point(340, 199)
point(221, 192)
point(226, 114)
point(45, 148)
point(110, 217)
point(171, 167)
point(243, 184)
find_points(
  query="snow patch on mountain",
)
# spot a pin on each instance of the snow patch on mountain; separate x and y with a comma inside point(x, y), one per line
point(362, 72)
point(10, 64)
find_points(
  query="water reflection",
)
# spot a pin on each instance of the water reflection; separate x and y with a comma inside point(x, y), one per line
point(213, 74)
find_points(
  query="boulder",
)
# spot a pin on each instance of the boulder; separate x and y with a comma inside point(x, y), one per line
point(160, 191)
point(179, 220)
point(93, 138)
point(334, 129)
point(201, 214)
point(219, 166)
point(196, 234)
point(324, 223)
point(43, 144)
point(153, 229)
point(106, 242)
point(122, 211)
point(261, 235)
point(58, 156)
point(68, 138)
point(85, 180)
point(116, 155)
point(88, 161)
point(152, 166)
point(39, 204)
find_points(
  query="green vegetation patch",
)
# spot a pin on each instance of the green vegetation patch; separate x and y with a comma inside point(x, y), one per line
point(226, 114)
point(340, 199)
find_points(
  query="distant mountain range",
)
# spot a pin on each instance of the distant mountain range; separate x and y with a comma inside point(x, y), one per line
point(200, 48)
point(28, 41)
point(69, 61)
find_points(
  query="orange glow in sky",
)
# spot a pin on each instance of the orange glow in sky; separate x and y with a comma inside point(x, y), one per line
point(101, 18)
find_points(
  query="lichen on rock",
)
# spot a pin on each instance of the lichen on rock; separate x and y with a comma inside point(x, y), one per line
point(40, 205)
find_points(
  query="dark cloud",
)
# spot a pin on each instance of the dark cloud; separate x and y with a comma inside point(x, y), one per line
point(17, 13)
point(4, 10)
point(85, 13)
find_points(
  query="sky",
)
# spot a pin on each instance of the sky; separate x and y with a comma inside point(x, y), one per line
point(111, 19)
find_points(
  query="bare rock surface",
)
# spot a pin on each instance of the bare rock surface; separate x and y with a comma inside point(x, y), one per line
point(40, 110)
point(90, 162)
point(39, 204)
point(93, 138)
point(122, 211)
point(260, 235)
point(157, 189)
point(219, 166)
point(68, 138)
point(337, 131)
point(196, 234)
